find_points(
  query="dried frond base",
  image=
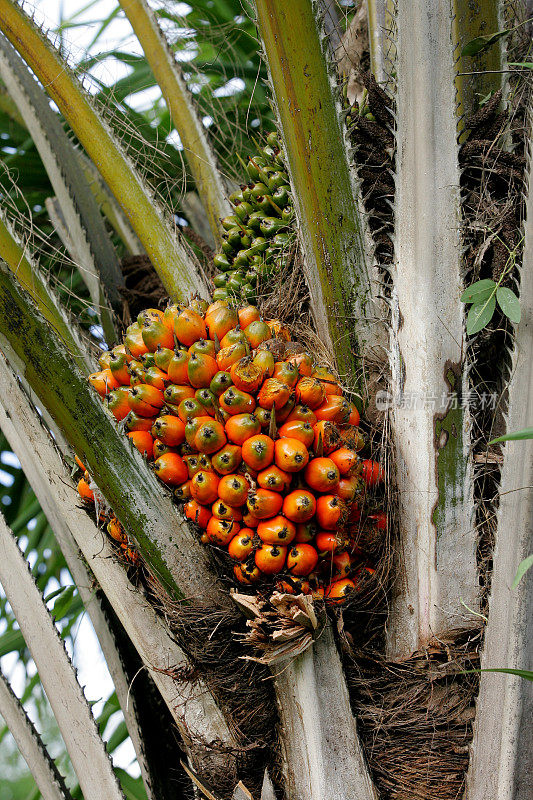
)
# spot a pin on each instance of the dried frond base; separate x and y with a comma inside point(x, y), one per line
point(415, 717)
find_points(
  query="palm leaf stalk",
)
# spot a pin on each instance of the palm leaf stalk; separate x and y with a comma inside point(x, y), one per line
point(434, 470)
point(184, 117)
point(380, 22)
point(47, 777)
point(86, 750)
point(196, 714)
point(139, 502)
point(336, 248)
point(502, 749)
point(175, 265)
point(90, 245)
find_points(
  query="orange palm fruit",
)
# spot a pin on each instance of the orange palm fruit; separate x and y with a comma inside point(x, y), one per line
point(229, 356)
point(372, 472)
point(169, 316)
point(216, 305)
point(143, 442)
point(306, 532)
point(302, 559)
point(169, 429)
point(342, 565)
point(258, 451)
point(354, 418)
point(348, 487)
point(339, 591)
point(233, 490)
point(303, 431)
point(222, 510)
point(192, 426)
point(134, 342)
point(84, 491)
point(220, 321)
point(103, 382)
point(334, 409)
point(326, 437)
point(263, 415)
point(286, 372)
point(246, 375)
point(291, 455)
point(242, 545)
point(221, 531)
point(328, 379)
point(177, 367)
point(197, 513)
point(105, 359)
point(220, 383)
point(347, 460)
point(326, 542)
point(190, 408)
point(227, 459)
point(276, 530)
point(257, 332)
point(248, 519)
point(264, 504)
point(247, 315)
point(234, 401)
point(80, 463)
point(192, 463)
point(299, 505)
point(265, 361)
point(304, 362)
point(146, 400)
point(156, 333)
point(310, 392)
point(284, 412)
point(207, 399)
point(270, 558)
point(118, 402)
point(246, 574)
point(352, 437)
point(189, 326)
point(118, 364)
point(204, 346)
point(274, 478)
point(204, 487)
point(149, 314)
point(273, 394)
point(201, 370)
point(183, 492)
point(160, 448)
point(330, 512)
point(302, 413)
point(171, 469)
point(116, 531)
point(322, 475)
point(210, 437)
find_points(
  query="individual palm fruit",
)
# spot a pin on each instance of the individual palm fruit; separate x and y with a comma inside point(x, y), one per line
point(257, 442)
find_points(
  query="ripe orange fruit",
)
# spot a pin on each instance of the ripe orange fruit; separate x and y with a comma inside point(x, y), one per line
point(290, 454)
point(348, 487)
point(146, 400)
point(204, 487)
point(342, 565)
point(231, 355)
point(134, 342)
point(326, 437)
point(242, 545)
point(154, 333)
point(197, 513)
point(171, 469)
point(132, 422)
point(204, 347)
point(265, 361)
point(346, 460)
point(220, 321)
point(257, 332)
point(169, 429)
point(270, 558)
point(339, 591)
point(372, 472)
point(264, 504)
point(118, 364)
point(303, 431)
point(236, 402)
point(201, 369)
point(175, 394)
point(233, 490)
point(144, 442)
point(177, 367)
point(299, 505)
point(302, 559)
point(306, 532)
point(330, 512)
point(273, 393)
point(241, 427)
point(183, 492)
point(246, 574)
point(116, 531)
point(118, 402)
point(334, 409)
point(274, 478)
point(189, 326)
point(354, 418)
point(246, 375)
point(84, 491)
point(326, 542)
point(222, 510)
point(277, 530)
point(103, 382)
point(258, 451)
point(322, 475)
point(304, 362)
point(302, 413)
point(247, 315)
point(221, 531)
point(286, 372)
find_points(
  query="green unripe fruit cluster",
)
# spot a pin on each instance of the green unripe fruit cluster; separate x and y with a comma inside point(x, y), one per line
point(256, 236)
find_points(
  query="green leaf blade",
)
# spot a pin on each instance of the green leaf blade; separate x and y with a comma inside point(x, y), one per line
point(514, 436)
point(523, 567)
point(479, 291)
point(509, 304)
point(480, 315)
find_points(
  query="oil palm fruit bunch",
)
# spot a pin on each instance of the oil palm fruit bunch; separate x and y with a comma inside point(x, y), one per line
point(256, 441)
point(258, 235)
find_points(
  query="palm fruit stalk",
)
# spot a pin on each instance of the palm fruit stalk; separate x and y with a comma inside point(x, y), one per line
point(258, 236)
point(256, 441)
